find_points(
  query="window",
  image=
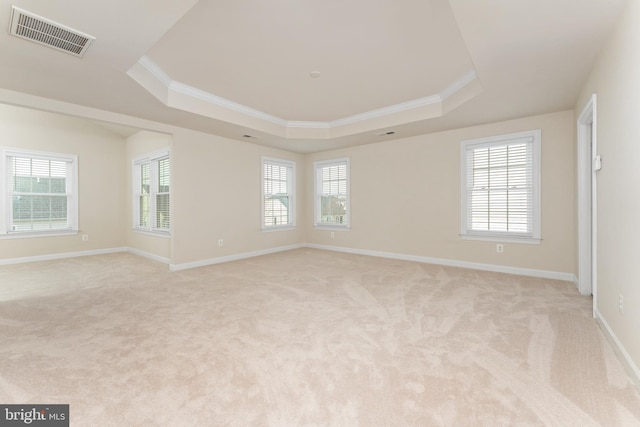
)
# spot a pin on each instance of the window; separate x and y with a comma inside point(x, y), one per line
point(332, 193)
point(39, 193)
point(151, 192)
point(277, 194)
point(501, 188)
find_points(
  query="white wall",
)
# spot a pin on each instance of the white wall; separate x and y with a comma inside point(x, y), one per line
point(101, 171)
point(615, 79)
point(217, 190)
point(414, 209)
point(405, 197)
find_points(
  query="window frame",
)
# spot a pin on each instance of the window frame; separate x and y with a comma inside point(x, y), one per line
point(534, 137)
point(317, 216)
point(5, 192)
point(153, 160)
point(291, 189)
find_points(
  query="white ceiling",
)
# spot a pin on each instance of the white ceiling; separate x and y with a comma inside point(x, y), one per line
point(236, 67)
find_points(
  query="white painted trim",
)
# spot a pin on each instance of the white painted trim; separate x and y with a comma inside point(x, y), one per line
point(158, 233)
point(625, 358)
point(543, 274)
point(386, 111)
point(317, 185)
point(308, 125)
point(72, 194)
point(211, 261)
point(155, 71)
point(149, 255)
point(236, 257)
point(505, 239)
point(458, 85)
point(587, 203)
point(64, 255)
point(210, 98)
point(535, 138)
point(37, 234)
point(291, 190)
point(171, 85)
point(153, 160)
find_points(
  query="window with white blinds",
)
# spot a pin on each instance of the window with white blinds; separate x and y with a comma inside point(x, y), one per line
point(39, 193)
point(501, 187)
point(278, 184)
point(152, 192)
point(332, 193)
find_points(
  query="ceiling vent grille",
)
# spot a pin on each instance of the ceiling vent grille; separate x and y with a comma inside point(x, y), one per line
point(44, 31)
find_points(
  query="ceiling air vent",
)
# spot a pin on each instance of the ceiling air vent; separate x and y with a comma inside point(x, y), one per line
point(44, 31)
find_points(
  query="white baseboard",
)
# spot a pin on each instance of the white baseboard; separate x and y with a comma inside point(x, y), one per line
point(63, 255)
point(149, 256)
point(626, 360)
point(212, 261)
point(454, 263)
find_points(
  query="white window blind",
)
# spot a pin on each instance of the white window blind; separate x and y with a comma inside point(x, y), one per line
point(278, 177)
point(332, 193)
point(500, 180)
point(152, 192)
point(39, 192)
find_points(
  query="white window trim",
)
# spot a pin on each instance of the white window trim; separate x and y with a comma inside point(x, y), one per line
point(494, 236)
point(72, 211)
point(135, 179)
point(317, 166)
point(291, 191)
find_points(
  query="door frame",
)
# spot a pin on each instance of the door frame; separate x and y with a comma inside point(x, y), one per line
point(587, 143)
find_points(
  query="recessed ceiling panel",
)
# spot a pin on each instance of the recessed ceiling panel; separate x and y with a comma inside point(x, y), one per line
point(369, 55)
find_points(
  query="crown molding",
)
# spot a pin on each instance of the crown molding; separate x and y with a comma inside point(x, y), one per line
point(387, 111)
point(458, 85)
point(181, 96)
point(210, 98)
point(155, 71)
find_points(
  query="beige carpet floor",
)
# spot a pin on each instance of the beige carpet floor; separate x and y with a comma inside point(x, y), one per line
point(305, 338)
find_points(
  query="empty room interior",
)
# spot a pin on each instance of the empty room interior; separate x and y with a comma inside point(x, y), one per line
point(340, 213)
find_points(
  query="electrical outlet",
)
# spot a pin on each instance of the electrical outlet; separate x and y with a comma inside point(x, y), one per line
point(85, 237)
point(620, 303)
point(333, 235)
point(220, 242)
point(499, 248)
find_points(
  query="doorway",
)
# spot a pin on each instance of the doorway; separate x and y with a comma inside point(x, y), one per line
point(587, 213)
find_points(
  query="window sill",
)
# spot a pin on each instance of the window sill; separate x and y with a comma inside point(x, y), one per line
point(502, 239)
point(34, 234)
point(164, 234)
point(278, 228)
point(330, 227)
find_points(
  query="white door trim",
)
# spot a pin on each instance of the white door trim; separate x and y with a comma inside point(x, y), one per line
point(587, 201)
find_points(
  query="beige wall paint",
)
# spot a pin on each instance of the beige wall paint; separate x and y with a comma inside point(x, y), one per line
point(139, 144)
point(101, 172)
point(217, 195)
point(405, 197)
point(615, 81)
